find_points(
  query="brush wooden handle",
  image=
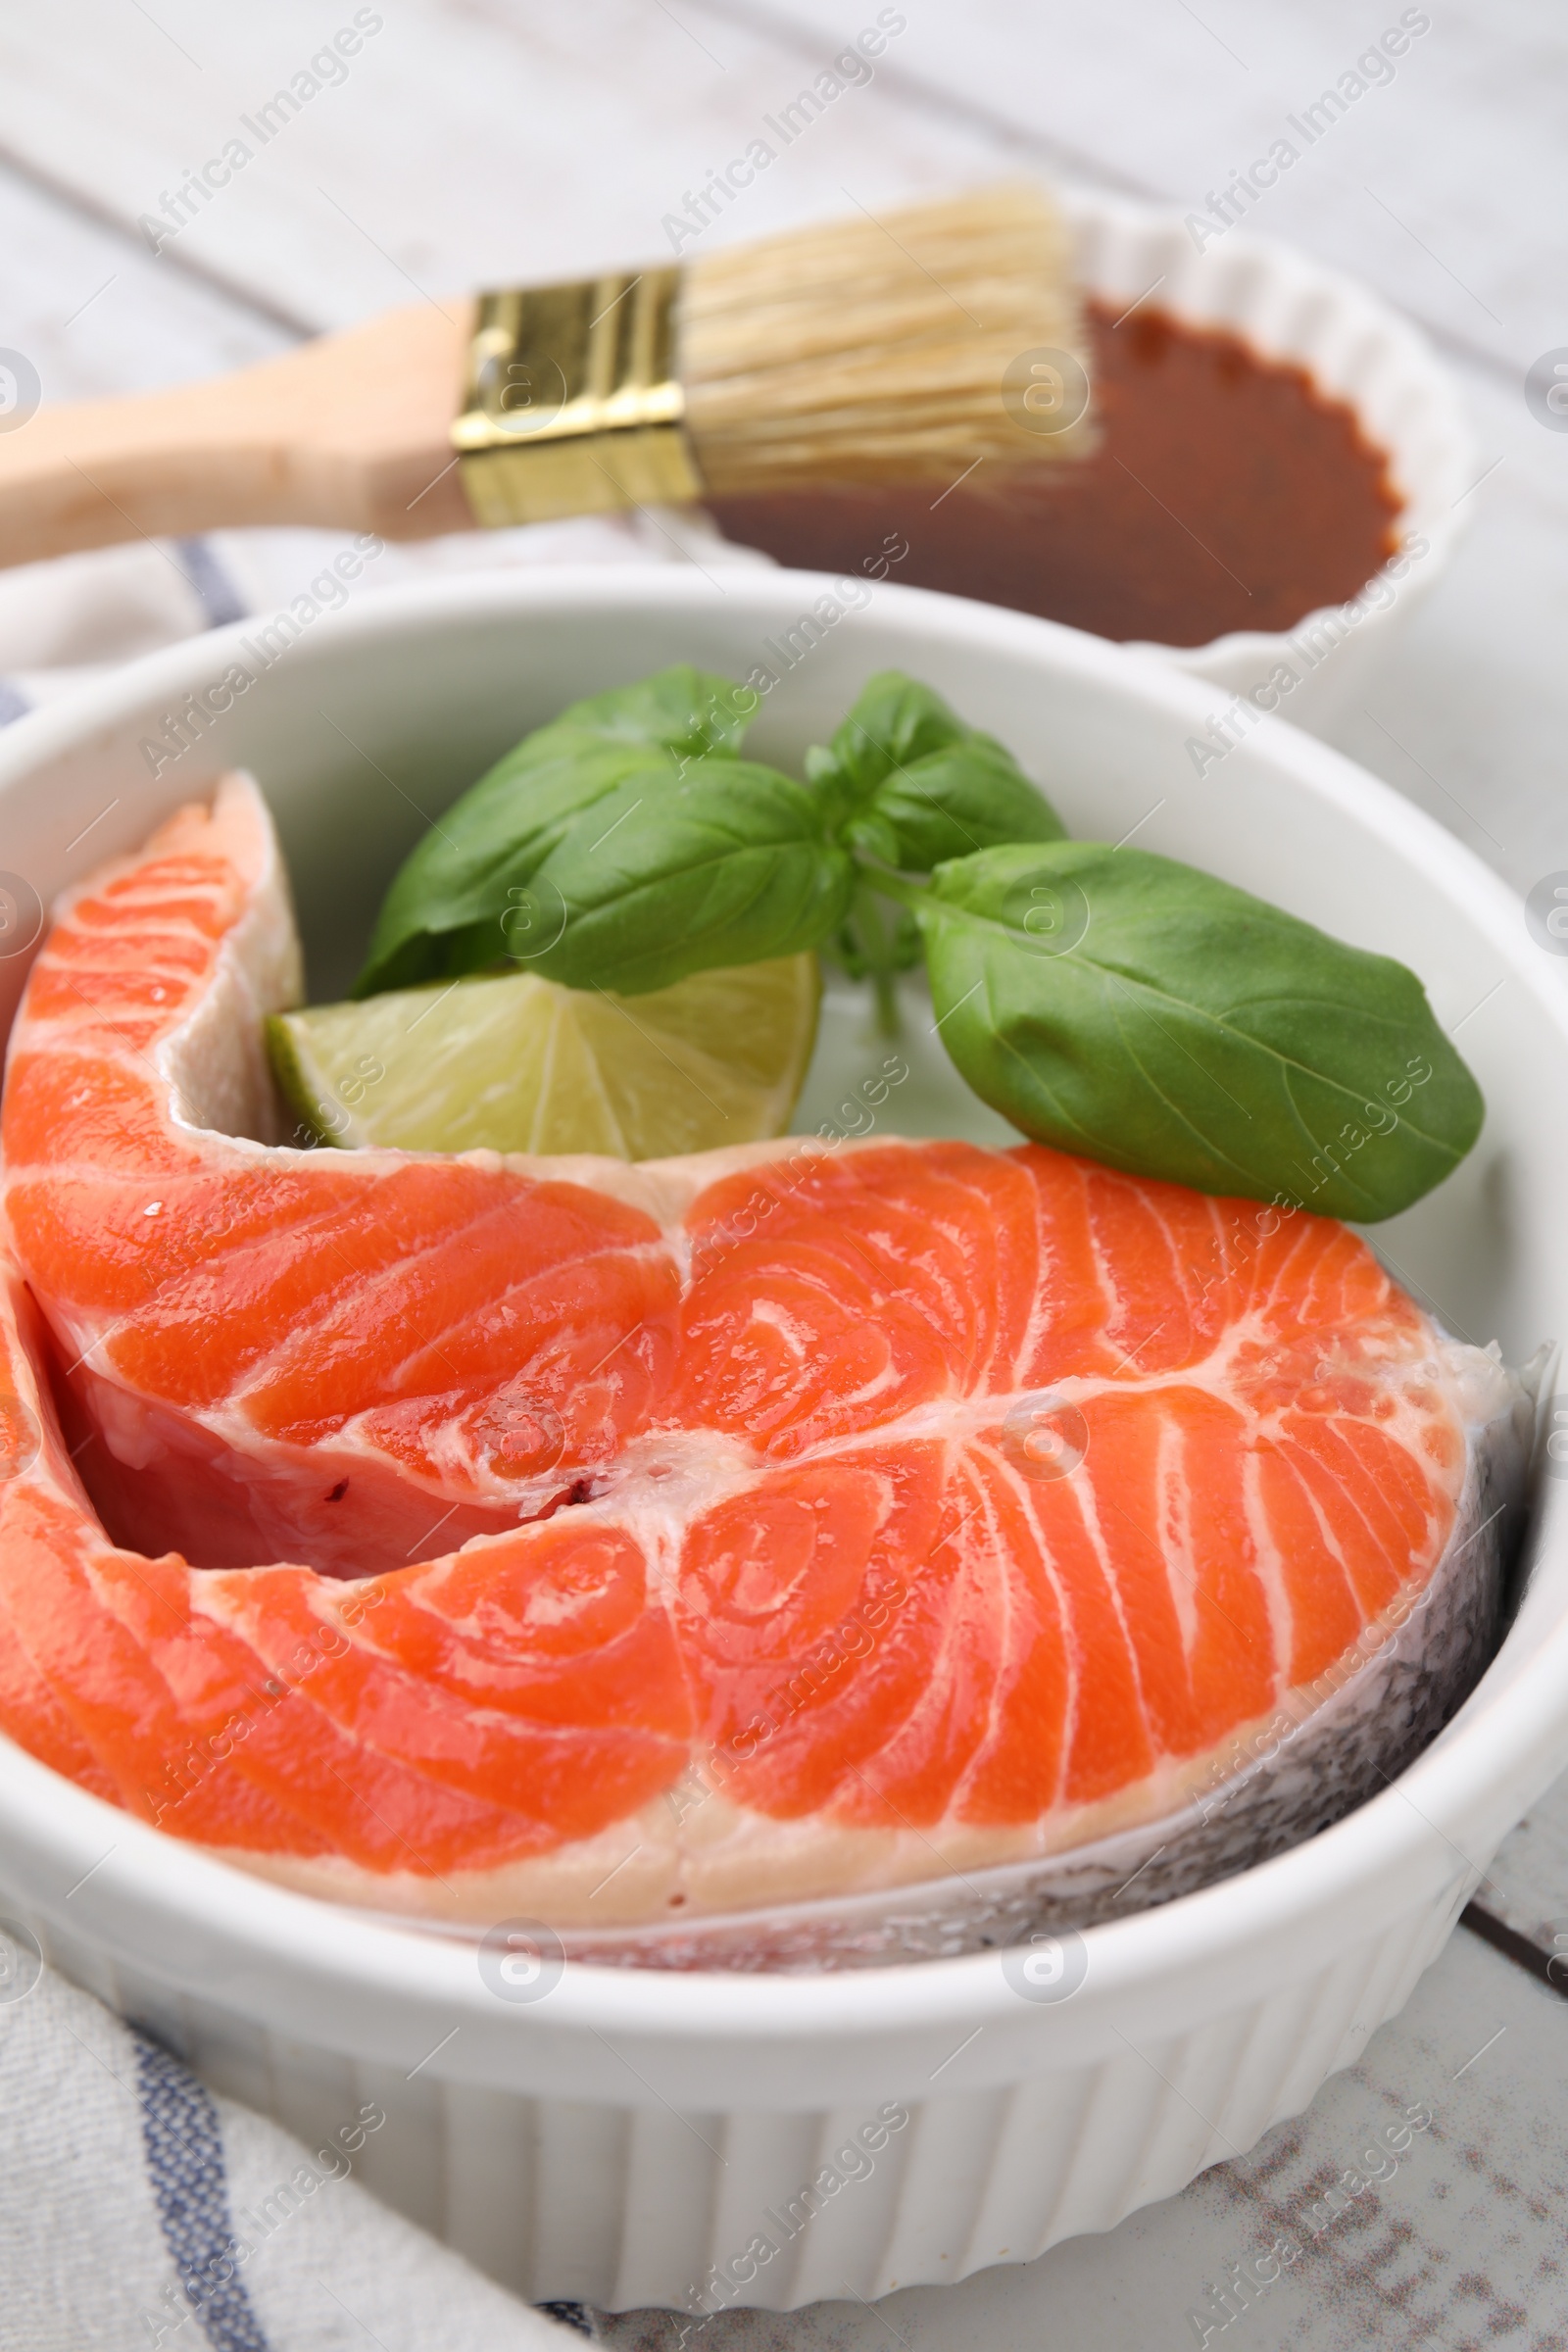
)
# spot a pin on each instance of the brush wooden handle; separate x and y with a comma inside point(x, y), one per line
point(351, 432)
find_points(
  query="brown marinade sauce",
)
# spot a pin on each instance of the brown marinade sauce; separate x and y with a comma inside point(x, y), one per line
point(1226, 493)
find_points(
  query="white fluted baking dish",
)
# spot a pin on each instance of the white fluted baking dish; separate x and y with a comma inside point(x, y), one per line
point(1290, 307)
point(636, 2137)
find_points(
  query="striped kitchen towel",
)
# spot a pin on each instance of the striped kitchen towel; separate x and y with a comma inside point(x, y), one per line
point(64, 623)
point(141, 2214)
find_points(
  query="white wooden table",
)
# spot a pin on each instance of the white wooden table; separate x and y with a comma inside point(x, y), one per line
point(504, 140)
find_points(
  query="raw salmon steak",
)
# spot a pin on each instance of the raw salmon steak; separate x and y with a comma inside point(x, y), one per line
point(778, 1538)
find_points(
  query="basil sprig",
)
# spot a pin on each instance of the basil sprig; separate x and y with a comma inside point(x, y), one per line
point(1106, 1000)
point(916, 787)
point(919, 787)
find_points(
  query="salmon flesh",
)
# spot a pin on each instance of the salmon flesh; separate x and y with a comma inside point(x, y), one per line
point(787, 1556)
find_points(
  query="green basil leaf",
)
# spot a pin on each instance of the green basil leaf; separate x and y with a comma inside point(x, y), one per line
point(894, 721)
point(470, 874)
point(918, 786)
point(1120, 1005)
point(971, 797)
point(730, 863)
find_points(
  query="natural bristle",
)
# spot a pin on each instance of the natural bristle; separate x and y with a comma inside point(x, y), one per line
point(873, 350)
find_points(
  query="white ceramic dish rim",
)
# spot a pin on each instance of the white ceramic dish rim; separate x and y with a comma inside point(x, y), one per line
point(218, 1926)
point(1255, 271)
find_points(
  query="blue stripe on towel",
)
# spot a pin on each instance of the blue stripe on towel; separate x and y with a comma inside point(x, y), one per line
point(219, 599)
point(184, 2152)
point(570, 2315)
point(14, 704)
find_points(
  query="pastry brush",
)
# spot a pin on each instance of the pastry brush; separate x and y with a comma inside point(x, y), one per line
point(868, 350)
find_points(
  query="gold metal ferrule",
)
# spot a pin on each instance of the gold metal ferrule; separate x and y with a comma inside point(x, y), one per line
point(572, 403)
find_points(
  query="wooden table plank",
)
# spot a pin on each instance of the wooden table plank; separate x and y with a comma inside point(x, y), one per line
point(94, 312)
point(1446, 185)
point(466, 145)
point(1526, 1889)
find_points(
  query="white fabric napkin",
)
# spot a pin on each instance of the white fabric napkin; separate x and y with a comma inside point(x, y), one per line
point(141, 2214)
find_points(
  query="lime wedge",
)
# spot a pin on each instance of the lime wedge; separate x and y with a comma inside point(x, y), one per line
point(520, 1065)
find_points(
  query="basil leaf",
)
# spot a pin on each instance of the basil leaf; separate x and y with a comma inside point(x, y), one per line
point(1120, 1005)
point(470, 874)
point(971, 797)
point(918, 787)
point(894, 721)
point(730, 863)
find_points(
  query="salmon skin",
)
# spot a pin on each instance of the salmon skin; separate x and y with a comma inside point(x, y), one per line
point(789, 1556)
